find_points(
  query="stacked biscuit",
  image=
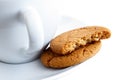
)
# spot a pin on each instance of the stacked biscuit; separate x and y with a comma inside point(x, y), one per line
point(74, 47)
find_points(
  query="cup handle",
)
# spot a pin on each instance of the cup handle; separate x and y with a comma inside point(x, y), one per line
point(34, 27)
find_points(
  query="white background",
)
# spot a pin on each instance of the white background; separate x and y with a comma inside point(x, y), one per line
point(106, 64)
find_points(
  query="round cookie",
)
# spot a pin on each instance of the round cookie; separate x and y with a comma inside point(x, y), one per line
point(69, 41)
point(50, 59)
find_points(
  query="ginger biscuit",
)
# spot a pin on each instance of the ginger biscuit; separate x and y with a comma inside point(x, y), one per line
point(71, 40)
point(50, 59)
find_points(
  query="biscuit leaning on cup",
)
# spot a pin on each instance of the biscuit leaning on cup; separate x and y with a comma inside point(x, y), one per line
point(75, 46)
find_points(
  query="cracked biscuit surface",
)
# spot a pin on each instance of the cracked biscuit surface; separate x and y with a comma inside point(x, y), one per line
point(50, 59)
point(71, 40)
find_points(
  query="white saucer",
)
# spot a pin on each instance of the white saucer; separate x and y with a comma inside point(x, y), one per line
point(35, 70)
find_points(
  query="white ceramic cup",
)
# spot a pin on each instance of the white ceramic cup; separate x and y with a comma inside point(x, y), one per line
point(26, 26)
